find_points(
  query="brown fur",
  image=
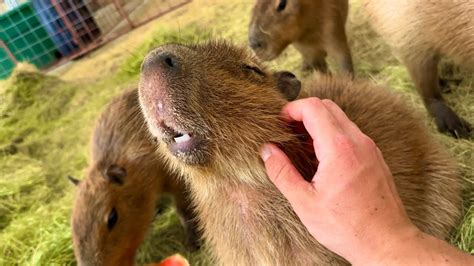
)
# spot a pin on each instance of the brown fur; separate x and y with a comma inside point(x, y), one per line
point(121, 139)
point(422, 32)
point(232, 111)
point(314, 27)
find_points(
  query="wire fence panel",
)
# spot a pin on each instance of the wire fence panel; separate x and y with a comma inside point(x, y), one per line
point(50, 32)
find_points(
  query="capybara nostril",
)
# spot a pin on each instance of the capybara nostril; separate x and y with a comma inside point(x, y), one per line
point(255, 43)
point(162, 59)
point(168, 60)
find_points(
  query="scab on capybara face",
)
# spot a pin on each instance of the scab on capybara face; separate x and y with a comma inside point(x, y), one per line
point(314, 27)
point(188, 92)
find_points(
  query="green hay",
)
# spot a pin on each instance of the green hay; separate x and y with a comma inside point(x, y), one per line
point(45, 124)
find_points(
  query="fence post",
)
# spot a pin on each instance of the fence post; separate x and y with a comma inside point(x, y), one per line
point(122, 13)
point(67, 23)
point(9, 53)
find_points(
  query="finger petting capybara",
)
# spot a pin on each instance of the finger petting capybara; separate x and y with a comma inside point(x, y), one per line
point(116, 203)
point(314, 27)
point(421, 32)
point(212, 106)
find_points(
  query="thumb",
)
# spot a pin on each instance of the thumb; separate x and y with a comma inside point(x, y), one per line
point(286, 177)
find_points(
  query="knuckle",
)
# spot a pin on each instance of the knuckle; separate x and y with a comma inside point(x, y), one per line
point(368, 142)
point(329, 102)
point(314, 101)
point(344, 143)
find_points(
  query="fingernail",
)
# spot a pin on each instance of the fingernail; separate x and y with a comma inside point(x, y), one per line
point(266, 152)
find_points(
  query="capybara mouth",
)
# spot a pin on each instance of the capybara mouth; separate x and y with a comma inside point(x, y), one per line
point(179, 142)
point(265, 54)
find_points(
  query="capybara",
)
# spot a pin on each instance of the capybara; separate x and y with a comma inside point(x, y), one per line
point(314, 27)
point(213, 105)
point(116, 202)
point(421, 32)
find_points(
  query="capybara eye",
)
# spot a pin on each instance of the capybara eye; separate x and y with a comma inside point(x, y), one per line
point(254, 69)
point(112, 219)
point(281, 5)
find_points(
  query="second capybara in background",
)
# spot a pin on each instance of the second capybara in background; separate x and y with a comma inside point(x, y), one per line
point(213, 105)
point(116, 203)
point(314, 27)
point(421, 32)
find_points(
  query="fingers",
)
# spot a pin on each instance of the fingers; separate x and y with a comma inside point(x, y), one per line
point(321, 125)
point(286, 177)
point(344, 122)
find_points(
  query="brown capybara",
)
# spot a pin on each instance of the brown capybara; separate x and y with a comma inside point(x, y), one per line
point(421, 32)
point(213, 105)
point(116, 202)
point(314, 27)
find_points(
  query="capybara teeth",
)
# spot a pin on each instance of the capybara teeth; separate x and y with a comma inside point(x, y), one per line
point(182, 138)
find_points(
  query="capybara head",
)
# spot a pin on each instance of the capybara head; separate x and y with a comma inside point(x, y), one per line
point(111, 216)
point(214, 103)
point(115, 203)
point(275, 24)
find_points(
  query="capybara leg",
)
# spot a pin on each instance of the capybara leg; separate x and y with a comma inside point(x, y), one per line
point(340, 51)
point(317, 62)
point(425, 76)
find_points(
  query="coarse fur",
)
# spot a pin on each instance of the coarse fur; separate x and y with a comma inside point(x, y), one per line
point(421, 32)
point(230, 104)
point(124, 182)
point(314, 27)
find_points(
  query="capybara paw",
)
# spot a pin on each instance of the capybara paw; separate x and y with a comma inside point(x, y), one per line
point(446, 85)
point(449, 122)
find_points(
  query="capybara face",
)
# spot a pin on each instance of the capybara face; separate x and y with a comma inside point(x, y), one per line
point(274, 25)
point(111, 215)
point(201, 100)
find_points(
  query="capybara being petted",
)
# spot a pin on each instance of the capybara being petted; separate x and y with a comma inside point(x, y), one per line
point(314, 27)
point(421, 32)
point(213, 105)
point(116, 202)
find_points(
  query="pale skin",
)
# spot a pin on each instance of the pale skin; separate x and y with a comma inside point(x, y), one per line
point(351, 206)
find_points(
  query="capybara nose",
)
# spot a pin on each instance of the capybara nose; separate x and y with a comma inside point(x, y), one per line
point(163, 60)
point(255, 43)
point(168, 60)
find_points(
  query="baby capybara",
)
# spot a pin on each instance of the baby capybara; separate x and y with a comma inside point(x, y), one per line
point(116, 202)
point(421, 32)
point(213, 105)
point(314, 27)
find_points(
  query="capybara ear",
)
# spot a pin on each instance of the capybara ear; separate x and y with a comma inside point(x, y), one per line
point(115, 174)
point(288, 84)
point(73, 180)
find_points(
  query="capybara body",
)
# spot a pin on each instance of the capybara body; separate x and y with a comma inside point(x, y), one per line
point(212, 106)
point(314, 27)
point(421, 32)
point(116, 202)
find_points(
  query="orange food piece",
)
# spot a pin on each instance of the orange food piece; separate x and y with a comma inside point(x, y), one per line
point(175, 260)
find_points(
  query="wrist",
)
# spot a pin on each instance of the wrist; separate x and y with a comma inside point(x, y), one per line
point(387, 247)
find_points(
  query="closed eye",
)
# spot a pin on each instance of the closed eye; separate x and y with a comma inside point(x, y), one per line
point(254, 69)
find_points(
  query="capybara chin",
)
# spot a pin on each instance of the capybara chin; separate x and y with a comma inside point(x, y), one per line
point(116, 202)
point(212, 106)
point(421, 32)
point(314, 27)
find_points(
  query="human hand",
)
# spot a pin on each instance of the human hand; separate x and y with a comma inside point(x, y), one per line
point(351, 206)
